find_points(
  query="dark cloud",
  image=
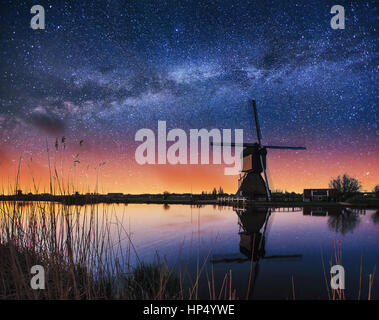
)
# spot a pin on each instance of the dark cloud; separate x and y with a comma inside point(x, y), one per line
point(43, 120)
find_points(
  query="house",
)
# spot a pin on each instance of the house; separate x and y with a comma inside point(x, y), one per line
point(319, 195)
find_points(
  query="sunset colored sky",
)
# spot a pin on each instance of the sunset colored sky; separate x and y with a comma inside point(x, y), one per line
point(102, 70)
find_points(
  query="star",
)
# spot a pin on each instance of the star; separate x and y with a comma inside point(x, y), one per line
point(100, 72)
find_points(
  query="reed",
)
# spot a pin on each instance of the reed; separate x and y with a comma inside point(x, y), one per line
point(80, 259)
point(83, 252)
point(77, 246)
point(336, 259)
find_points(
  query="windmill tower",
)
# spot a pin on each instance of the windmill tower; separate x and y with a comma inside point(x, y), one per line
point(251, 183)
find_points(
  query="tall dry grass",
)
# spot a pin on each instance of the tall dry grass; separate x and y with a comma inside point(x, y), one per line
point(83, 252)
point(336, 259)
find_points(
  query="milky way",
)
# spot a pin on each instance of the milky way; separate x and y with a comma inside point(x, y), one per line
point(103, 69)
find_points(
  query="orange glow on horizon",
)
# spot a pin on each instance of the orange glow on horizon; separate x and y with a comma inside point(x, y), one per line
point(105, 172)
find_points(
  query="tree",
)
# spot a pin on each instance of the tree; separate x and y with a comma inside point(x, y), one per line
point(376, 190)
point(166, 194)
point(346, 186)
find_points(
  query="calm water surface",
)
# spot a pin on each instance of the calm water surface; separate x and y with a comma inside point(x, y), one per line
point(285, 245)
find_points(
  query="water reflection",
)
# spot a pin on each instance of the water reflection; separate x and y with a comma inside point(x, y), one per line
point(375, 217)
point(344, 222)
point(252, 229)
point(263, 247)
point(340, 220)
point(292, 249)
point(254, 225)
point(252, 240)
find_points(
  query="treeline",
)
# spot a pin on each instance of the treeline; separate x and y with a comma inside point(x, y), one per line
point(215, 191)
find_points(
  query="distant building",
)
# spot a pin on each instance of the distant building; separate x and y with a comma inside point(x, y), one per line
point(319, 195)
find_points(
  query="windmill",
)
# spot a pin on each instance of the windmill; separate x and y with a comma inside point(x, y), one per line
point(251, 184)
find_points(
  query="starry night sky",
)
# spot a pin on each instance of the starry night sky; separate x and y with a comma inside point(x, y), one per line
point(101, 70)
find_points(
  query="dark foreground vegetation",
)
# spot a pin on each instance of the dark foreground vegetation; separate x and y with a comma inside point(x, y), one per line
point(70, 280)
point(79, 258)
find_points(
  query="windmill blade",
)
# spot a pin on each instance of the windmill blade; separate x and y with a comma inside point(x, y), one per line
point(266, 181)
point(284, 147)
point(232, 144)
point(228, 258)
point(257, 126)
point(267, 228)
point(268, 216)
point(269, 176)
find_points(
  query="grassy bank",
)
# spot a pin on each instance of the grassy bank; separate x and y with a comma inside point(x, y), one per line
point(79, 258)
point(82, 256)
point(72, 280)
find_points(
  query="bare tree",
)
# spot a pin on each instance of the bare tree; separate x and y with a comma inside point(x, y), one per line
point(346, 186)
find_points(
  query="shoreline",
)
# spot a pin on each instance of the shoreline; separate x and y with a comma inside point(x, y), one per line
point(133, 199)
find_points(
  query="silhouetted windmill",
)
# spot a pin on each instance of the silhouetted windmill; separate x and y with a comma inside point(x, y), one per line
point(251, 184)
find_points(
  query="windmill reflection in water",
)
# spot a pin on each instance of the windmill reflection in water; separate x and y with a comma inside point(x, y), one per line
point(254, 224)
